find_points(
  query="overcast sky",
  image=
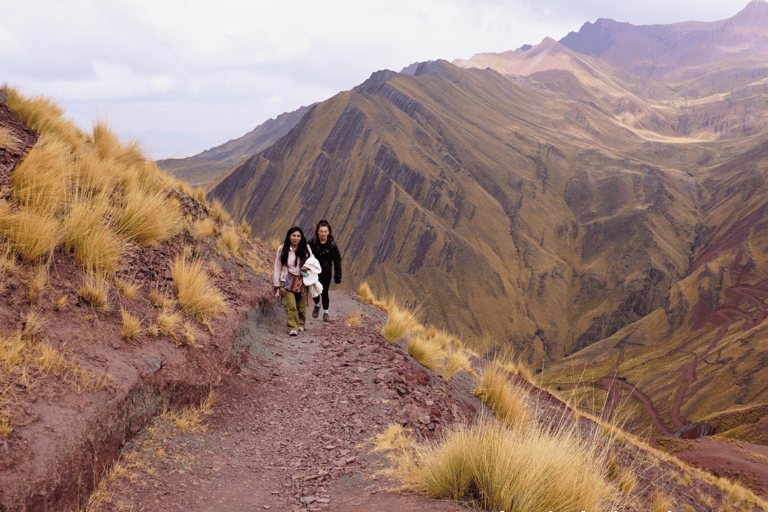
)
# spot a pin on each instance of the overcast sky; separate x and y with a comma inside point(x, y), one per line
point(227, 66)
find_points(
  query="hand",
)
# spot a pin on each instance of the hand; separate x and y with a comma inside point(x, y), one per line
point(304, 268)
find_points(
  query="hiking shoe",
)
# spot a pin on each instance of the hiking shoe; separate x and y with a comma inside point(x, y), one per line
point(326, 317)
point(316, 311)
point(302, 329)
point(293, 333)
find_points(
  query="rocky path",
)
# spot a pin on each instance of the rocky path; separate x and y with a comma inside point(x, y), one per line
point(289, 427)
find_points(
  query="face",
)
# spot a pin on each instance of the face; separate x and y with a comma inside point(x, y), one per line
point(323, 233)
point(295, 238)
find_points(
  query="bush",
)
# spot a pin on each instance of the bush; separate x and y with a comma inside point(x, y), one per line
point(399, 323)
point(32, 236)
point(515, 470)
point(198, 297)
point(146, 217)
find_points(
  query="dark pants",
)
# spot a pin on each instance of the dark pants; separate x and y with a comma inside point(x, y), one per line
point(325, 280)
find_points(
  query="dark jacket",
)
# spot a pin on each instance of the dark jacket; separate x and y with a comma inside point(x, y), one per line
point(329, 257)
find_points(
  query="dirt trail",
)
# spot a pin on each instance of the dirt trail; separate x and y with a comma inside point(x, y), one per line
point(288, 428)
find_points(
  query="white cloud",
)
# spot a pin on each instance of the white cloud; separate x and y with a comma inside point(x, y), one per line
point(198, 66)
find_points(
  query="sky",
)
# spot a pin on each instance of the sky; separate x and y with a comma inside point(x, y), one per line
point(173, 70)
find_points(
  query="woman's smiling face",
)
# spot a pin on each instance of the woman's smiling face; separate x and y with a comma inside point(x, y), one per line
point(295, 238)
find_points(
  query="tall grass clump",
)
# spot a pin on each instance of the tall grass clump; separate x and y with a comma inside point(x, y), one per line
point(400, 322)
point(507, 402)
point(31, 235)
point(197, 296)
point(44, 115)
point(131, 325)
point(230, 239)
point(41, 181)
point(146, 217)
point(458, 360)
point(515, 470)
point(203, 228)
point(427, 352)
point(96, 246)
point(7, 140)
point(95, 291)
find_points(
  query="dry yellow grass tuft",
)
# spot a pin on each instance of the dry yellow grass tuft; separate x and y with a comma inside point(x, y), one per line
point(508, 402)
point(131, 325)
point(32, 236)
point(458, 360)
point(97, 248)
point(198, 194)
point(203, 228)
point(190, 334)
point(128, 287)
point(662, 502)
point(354, 320)
point(245, 228)
point(230, 239)
point(517, 470)
point(38, 283)
point(426, 351)
point(95, 174)
point(44, 116)
point(400, 322)
point(168, 321)
point(197, 296)
point(214, 268)
point(95, 291)
point(41, 181)
point(219, 213)
point(147, 216)
point(365, 293)
point(7, 140)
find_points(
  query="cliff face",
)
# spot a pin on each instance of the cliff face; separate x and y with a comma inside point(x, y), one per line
point(454, 189)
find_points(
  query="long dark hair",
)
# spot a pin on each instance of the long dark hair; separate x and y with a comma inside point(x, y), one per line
point(327, 224)
point(302, 252)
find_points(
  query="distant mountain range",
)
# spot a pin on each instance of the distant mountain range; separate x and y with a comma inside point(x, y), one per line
point(598, 203)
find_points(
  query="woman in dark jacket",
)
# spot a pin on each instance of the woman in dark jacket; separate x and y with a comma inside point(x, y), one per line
point(327, 253)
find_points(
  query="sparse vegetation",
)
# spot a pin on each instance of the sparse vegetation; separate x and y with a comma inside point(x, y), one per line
point(131, 325)
point(203, 228)
point(95, 291)
point(146, 216)
point(458, 360)
point(505, 469)
point(168, 321)
point(198, 297)
point(128, 287)
point(507, 402)
point(428, 352)
point(399, 323)
point(32, 236)
point(7, 140)
point(231, 240)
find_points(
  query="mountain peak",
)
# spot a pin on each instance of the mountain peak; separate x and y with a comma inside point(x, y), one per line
point(754, 6)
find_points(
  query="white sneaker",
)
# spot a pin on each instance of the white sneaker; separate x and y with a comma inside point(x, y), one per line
point(293, 333)
point(301, 329)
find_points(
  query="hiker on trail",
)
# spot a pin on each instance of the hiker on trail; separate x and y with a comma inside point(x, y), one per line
point(327, 252)
point(287, 279)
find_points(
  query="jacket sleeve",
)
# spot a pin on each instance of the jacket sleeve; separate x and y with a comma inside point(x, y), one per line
point(337, 265)
point(278, 267)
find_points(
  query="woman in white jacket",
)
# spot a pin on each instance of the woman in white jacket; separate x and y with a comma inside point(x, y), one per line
point(287, 279)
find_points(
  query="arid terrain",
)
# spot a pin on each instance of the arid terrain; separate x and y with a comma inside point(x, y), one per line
point(585, 225)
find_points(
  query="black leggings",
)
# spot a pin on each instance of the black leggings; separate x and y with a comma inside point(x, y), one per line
point(325, 280)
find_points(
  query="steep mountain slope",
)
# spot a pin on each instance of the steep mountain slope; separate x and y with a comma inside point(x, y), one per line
point(208, 167)
point(551, 200)
point(698, 364)
point(456, 183)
